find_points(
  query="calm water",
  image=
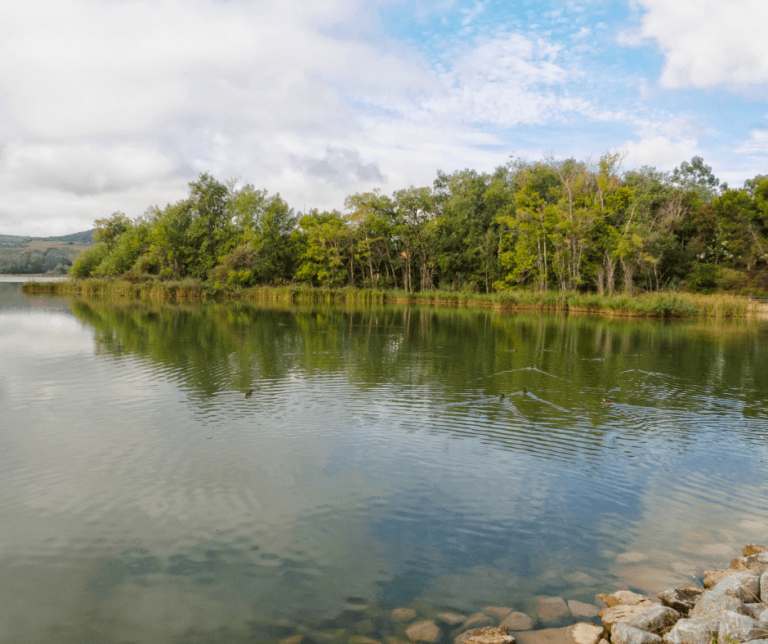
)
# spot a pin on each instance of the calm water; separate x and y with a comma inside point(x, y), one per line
point(145, 498)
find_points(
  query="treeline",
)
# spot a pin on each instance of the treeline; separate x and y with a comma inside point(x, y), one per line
point(53, 261)
point(551, 224)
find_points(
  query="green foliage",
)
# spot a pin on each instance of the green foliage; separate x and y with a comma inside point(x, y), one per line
point(564, 225)
point(703, 279)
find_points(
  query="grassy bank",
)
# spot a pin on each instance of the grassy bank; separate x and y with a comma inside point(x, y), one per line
point(644, 305)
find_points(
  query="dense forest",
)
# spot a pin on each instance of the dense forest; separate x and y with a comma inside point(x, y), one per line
point(549, 224)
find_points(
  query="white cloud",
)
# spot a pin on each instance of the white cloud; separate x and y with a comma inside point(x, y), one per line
point(707, 43)
point(659, 151)
point(756, 146)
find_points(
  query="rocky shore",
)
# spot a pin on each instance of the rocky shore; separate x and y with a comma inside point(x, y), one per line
point(732, 607)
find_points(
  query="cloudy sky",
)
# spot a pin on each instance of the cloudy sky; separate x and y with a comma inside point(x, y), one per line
point(116, 104)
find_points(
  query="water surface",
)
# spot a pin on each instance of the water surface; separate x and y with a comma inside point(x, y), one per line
point(145, 498)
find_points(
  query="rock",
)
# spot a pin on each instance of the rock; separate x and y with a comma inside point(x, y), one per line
point(499, 612)
point(764, 588)
point(361, 639)
point(487, 635)
point(545, 636)
point(756, 610)
point(695, 630)
point(631, 557)
point(616, 614)
point(580, 609)
point(658, 619)
point(550, 609)
point(713, 577)
point(477, 620)
point(625, 634)
point(753, 549)
point(295, 639)
point(452, 618)
point(517, 622)
point(585, 633)
point(403, 614)
point(713, 604)
point(623, 598)
point(426, 631)
point(600, 602)
point(681, 599)
point(582, 579)
point(758, 563)
point(739, 628)
point(744, 586)
point(738, 563)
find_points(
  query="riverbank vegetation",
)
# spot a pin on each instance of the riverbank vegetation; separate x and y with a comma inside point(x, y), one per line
point(548, 232)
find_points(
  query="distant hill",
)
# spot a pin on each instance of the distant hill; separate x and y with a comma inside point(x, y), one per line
point(82, 238)
point(21, 255)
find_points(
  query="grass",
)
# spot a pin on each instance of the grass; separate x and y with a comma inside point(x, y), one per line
point(642, 305)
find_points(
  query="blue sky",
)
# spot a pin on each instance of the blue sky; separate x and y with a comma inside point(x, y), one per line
point(112, 105)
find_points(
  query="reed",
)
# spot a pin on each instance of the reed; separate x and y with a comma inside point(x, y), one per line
point(618, 304)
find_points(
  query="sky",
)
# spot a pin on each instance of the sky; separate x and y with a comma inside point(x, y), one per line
point(110, 105)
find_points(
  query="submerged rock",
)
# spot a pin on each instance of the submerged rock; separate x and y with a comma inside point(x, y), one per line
point(499, 612)
point(486, 635)
point(517, 622)
point(403, 614)
point(584, 633)
point(550, 609)
point(739, 628)
point(694, 630)
point(452, 618)
point(477, 620)
point(681, 599)
point(625, 634)
point(426, 631)
point(580, 609)
point(654, 620)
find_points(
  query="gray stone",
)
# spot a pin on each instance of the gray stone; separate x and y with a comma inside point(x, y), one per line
point(655, 620)
point(487, 635)
point(753, 549)
point(764, 588)
point(584, 633)
point(713, 577)
point(681, 599)
point(744, 586)
point(423, 632)
point(517, 622)
point(616, 614)
point(739, 628)
point(757, 563)
point(626, 634)
point(695, 630)
point(755, 610)
point(550, 609)
point(713, 604)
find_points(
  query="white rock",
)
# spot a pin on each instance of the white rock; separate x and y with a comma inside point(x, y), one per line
point(681, 599)
point(695, 630)
point(739, 628)
point(655, 620)
point(584, 633)
point(764, 588)
point(625, 634)
point(623, 598)
point(713, 604)
point(744, 586)
point(616, 614)
point(487, 635)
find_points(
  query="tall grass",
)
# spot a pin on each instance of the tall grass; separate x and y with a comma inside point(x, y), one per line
point(618, 304)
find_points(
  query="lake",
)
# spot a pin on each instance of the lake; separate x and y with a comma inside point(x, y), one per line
point(146, 498)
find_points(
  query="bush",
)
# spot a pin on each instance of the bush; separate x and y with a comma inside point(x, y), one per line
point(730, 280)
point(236, 269)
point(87, 261)
point(703, 279)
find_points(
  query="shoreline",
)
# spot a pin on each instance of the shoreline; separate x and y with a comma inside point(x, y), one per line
point(650, 305)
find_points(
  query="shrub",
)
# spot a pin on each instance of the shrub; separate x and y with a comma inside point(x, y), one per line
point(87, 261)
point(703, 279)
point(730, 280)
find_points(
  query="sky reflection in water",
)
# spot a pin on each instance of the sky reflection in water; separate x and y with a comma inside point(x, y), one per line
point(145, 498)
